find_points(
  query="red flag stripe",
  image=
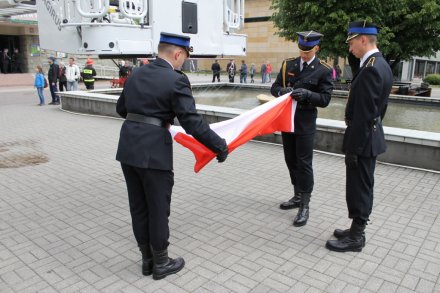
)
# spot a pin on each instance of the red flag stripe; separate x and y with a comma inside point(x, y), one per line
point(276, 115)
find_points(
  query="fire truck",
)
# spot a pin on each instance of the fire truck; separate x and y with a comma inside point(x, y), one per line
point(131, 28)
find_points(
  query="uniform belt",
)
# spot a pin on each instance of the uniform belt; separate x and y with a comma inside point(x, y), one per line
point(146, 119)
point(305, 106)
point(376, 121)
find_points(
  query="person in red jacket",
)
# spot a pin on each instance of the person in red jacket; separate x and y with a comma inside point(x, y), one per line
point(268, 72)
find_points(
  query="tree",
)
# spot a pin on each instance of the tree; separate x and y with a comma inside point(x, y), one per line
point(408, 27)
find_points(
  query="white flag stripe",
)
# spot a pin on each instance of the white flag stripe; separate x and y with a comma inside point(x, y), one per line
point(232, 128)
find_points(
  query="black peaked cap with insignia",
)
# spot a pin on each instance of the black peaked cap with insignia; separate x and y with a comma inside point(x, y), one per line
point(308, 40)
point(357, 28)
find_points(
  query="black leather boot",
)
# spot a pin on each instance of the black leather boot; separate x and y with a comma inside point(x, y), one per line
point(292, 203)
point(147, 259)
point(164, 266)
point(339, 233)
point(302, 216)
point(303, 212)
point(355, 240)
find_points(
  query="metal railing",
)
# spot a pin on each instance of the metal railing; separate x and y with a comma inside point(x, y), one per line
point(233, 14)
point(95, 8)
point(135, 9)
point(104, 71)
point(128, 12)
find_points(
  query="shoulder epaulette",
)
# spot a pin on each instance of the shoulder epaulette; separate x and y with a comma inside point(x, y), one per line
point(179, 71)
point(183, 73)
point(371, 62)
point(326, 65)
point(290, 59)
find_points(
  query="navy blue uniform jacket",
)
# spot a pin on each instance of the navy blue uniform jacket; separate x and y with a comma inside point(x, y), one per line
point(367, 100)
point(157, 90)
point(316, 77)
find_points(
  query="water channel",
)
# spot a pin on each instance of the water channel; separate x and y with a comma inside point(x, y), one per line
point(402, 115)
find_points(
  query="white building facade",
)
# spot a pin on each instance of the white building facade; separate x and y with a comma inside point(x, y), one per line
point(418, 67)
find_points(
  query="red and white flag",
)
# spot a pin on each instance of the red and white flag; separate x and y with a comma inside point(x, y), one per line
point(276, 115)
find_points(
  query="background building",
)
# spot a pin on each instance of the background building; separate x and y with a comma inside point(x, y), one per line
point(18, 29)
point(418, 67)
point(262, 44)
point(20, 32)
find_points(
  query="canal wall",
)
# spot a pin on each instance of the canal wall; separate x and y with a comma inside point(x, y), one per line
point(414, 148)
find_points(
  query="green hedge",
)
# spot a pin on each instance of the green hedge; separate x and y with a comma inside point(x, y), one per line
point(432, 79)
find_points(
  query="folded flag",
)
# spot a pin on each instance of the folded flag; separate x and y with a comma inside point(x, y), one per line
point(276, 115)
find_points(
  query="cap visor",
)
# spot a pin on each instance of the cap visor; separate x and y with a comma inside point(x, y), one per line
point(189, 50)
point(305, 49)
point(350, 37)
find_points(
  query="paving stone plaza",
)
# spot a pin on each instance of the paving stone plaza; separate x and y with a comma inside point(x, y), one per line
point(65, 224)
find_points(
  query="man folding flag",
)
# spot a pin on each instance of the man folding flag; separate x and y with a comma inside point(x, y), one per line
point(276, 115)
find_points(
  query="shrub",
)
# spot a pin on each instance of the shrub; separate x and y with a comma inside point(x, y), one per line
point(432, 79)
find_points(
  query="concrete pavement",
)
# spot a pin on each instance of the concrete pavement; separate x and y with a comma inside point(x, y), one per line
point(65, 224)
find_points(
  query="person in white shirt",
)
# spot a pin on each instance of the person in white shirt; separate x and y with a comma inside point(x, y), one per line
point(72, 75)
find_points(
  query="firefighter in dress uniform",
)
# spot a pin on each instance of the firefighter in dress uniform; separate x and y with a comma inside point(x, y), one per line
point(153, 96)
point(364, 138)
point(309, 80)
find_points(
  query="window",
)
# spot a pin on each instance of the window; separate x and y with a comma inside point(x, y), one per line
point(419, 69)
point(430, 68)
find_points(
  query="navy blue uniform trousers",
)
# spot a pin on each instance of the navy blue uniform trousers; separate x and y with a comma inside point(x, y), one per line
point(359, 184)
point(149, 195)
point(298, 153)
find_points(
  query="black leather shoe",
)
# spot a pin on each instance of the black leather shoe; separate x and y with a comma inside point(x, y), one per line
point(147, 259)
point(302, 216)
point(164, 266)
point(292, 203)
point(346, 244)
